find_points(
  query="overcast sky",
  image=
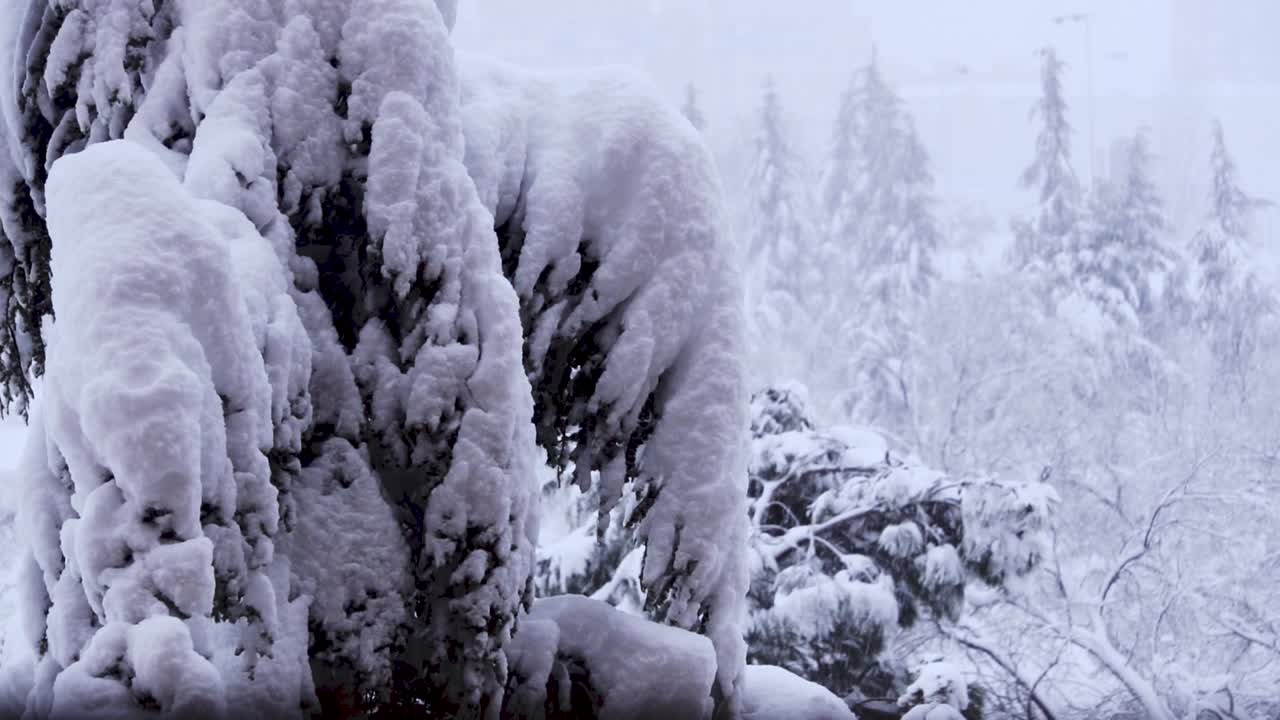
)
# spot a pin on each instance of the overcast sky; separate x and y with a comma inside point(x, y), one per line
point(969, 71)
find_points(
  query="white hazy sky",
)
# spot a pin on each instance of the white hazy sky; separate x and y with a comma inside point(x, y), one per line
point(968, 70)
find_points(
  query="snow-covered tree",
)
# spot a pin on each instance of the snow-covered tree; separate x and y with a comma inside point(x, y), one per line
point(879, 241)
point(284, 455)
point(1231, 299)
point(1039, 241)
point(877, 192)
point(1121, 258)
point(837, 184)
point(852, 543)
point(896, 274)
point(781, 246)
point(630, 299)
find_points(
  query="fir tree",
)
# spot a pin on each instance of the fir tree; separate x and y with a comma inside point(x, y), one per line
point(297, 375)
point(781, 250)
point(1037, 242)
point(1221, 247)
point(1231, 299)
point(878, 193)
point(1121, 257)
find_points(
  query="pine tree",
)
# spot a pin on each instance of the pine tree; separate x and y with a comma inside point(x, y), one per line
point(878, 193)
point(779, 205)
point(898, 241)
point(302, 479)
point(1222, 245)
point(836, 186)
point(1231, 300)
point(1121, 256)
point(781, 250)
point(1038, 242)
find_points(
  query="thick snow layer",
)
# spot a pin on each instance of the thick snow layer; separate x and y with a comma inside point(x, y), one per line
point(639, 669)
point(613, 237)
point(815, 607)
point(772, 693)
point(285, 403)
point(152, 329)
point(309, 132)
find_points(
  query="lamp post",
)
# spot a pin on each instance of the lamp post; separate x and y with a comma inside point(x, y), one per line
point(1084, 20)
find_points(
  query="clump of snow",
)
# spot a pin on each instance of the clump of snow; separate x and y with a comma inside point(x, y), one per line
point(1006, 526)
point(937, 683)
point(941, 567)
point(166, 523)
point(638, 669)
point(815, 605)
point(863, 447)
point(902, 540)
point(779, 409)
point(773, 693)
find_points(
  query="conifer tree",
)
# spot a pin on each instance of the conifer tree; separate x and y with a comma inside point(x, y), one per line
point(1122, 256)
point(877, 191)
point(1038, 241)
point(1231, 299)
point(781, 253)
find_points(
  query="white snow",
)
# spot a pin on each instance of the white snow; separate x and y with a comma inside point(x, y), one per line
point(151, 329)
point(773, 693)
point(640, 669)
point(937, 683)
point(941, 567)
point(593, 168)
point(1007, 524)
point(813, 608)
point(902, 540)
point(219, 475)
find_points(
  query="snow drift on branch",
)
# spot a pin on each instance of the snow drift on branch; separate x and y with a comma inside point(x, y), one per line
point(612, 235)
